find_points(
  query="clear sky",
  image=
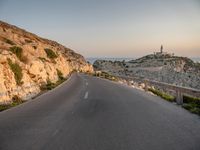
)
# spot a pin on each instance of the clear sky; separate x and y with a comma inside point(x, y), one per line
point(111, 28)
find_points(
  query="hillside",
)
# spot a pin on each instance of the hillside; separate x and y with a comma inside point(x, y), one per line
point(28, 61)
point(160, 67)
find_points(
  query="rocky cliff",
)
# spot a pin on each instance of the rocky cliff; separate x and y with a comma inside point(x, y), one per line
point(167, 68)
point(27, 61)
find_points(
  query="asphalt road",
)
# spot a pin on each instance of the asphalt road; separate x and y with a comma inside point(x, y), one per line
point(88, 113)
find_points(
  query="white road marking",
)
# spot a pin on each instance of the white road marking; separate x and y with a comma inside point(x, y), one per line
point(86, 83)
point(86, 95)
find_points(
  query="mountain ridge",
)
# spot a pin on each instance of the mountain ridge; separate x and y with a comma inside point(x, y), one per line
point(27, 61)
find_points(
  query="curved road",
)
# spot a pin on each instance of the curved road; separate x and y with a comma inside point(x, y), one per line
point(88, 113)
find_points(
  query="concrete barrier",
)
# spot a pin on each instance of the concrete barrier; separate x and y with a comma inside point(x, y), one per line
point(178, 90)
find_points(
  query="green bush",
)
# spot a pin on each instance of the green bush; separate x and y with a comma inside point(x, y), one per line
point(9, 41)
point(192, 104)
point(189, 99)
point(162, 94)
point(16, 69)
point(50, 53)
point(60, 75)
point(105, 75)
point(28, 41)
point(15, 101)
point(50, 85)
point(4, 107)
point(193, 108)
point(17, 51)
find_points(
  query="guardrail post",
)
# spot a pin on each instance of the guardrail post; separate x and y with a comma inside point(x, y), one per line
point(145, 85)
point(179, 97)
point(129, 83)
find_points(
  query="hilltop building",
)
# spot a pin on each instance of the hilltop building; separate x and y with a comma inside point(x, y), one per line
point(161, 52)
point(161, 49)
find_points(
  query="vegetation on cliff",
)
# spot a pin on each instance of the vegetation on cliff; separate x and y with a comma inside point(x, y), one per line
point(50, 53)
point(29, 59)
point(16, 69)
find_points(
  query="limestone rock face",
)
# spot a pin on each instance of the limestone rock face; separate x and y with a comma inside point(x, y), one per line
point(38, 60)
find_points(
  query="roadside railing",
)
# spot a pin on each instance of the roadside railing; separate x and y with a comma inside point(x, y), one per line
point(178, 90)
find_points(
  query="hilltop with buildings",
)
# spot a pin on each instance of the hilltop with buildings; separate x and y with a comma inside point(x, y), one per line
point(160, 66)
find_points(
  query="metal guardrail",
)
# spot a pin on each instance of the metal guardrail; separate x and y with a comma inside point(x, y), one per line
point(179, 90)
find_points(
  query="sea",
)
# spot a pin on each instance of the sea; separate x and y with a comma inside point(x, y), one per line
point(93, 59)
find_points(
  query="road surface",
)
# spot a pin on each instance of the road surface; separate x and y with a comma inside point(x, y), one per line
point(88, 113)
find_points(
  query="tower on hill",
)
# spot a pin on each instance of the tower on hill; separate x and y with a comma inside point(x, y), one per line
point(161, 49)
point(161, 52)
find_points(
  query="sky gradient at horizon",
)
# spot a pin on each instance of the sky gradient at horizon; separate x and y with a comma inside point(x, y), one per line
point(111, 28)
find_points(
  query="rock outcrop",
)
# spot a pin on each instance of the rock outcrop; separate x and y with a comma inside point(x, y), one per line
point(27, 61)
point(167, 68)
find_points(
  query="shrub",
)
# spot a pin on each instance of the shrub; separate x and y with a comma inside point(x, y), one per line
point(50, 53)
point(16, 69)
point(192, 104)
point(193, 108)
point(60, 75)
point(28, 41)
point(47, 86)
point(50, 85)
point(9, 41)
point(106, 75)
point(16, 100)
point(4, 107)
point(189, 99)
point(35, 47)
point(73, 71)
point(17, 51)
point(162, 94)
